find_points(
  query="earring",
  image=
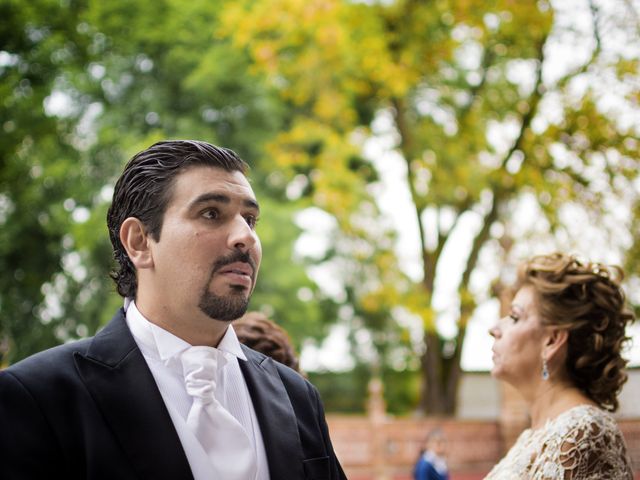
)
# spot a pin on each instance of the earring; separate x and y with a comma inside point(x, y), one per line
point(545, 370)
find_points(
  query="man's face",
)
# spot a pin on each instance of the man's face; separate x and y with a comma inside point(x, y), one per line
point(207, 257)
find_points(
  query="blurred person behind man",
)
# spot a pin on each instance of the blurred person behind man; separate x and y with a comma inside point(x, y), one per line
point(256, 331)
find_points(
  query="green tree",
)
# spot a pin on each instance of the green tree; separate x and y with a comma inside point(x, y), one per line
point(85, 84)
point(470, 95)
point(38, 42)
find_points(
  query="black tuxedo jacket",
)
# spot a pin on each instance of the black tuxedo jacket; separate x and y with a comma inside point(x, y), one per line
point(92, 410)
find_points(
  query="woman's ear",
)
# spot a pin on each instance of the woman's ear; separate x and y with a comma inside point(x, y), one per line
point(556, 340)
point(135, 240)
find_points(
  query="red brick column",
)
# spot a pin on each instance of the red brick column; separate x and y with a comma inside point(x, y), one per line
point(514, 416)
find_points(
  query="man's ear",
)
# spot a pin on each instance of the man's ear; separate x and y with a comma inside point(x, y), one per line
point(135, 239)
point(556, 340)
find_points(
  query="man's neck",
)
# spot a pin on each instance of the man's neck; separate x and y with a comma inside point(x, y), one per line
point(197, 330)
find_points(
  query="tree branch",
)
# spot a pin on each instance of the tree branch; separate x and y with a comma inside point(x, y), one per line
point(562, 81)
point(487, 60)
point(479, 241)
point(406, 148)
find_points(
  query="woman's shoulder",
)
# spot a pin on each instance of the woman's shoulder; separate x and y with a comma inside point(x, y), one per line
point(587, 410)
point(581, 428)
point(586, 418)
point(583, 440)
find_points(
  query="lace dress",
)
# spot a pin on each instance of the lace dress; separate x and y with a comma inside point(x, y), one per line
point(583, 443)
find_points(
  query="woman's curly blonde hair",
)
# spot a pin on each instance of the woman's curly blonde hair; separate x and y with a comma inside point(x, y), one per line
point(585, 298)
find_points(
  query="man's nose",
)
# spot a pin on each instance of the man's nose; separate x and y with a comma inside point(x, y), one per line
point(242, 236)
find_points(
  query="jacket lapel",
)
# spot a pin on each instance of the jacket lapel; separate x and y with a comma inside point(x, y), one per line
point(118, 378)
point(276, 416)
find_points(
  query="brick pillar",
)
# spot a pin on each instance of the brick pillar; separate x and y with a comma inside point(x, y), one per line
point(514, 415)
point(376, 411)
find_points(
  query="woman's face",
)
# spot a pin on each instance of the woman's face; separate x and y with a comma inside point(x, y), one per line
point(518, 341)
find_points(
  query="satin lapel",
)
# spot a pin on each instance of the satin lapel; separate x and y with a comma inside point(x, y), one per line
point(118, 378)
point(276, 417)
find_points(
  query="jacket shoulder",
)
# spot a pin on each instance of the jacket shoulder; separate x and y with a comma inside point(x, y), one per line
point(40, 366)
point(289, 376)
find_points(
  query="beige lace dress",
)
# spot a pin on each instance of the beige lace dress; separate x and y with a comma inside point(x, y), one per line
point(583, 443)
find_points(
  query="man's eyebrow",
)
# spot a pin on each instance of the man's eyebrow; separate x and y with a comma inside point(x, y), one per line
point(251, 204)
point(222, 198)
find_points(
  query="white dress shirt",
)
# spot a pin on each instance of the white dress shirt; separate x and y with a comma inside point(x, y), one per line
point(161, 350)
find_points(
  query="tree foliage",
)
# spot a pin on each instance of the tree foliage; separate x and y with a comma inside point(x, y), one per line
point(478, 110)
point(86, 84)
point(39, 47)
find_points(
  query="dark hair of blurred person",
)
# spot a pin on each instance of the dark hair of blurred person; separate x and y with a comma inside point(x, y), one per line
point(256, 331)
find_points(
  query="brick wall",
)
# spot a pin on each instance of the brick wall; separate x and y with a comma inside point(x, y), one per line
point(386, 448)
point(631, 431)
point(377, 446)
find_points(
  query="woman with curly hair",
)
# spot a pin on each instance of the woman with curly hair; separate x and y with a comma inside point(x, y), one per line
point(560, 347)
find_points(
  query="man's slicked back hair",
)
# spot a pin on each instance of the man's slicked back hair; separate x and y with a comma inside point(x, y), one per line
point(145, 187)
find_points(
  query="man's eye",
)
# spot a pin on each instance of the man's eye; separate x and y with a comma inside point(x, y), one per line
point(252, 221)
point(513, 317)
point(210, 214)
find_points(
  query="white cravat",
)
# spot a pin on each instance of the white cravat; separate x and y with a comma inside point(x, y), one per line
point(221, 435)
point(162, 351)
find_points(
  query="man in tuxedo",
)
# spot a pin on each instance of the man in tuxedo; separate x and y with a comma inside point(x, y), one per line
point(165, 390)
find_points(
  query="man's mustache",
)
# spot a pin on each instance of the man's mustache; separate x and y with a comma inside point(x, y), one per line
point(234, 257)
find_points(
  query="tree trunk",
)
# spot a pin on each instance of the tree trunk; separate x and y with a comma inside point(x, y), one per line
point(432, 385)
